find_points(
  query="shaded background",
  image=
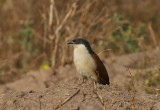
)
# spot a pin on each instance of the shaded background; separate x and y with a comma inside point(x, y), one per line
point(33, 34)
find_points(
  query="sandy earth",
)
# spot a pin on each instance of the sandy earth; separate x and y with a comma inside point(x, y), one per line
point(42, 90)
point(77, 97)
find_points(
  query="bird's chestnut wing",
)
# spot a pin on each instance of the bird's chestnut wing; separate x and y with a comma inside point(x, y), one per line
point(101, 71)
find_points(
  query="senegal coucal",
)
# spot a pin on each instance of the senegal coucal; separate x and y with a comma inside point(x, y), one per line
point(87, 63)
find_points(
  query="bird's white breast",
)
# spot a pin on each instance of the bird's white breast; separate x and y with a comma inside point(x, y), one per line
point(83, 61)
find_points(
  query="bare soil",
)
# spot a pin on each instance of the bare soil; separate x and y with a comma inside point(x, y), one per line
point(74, 97)
point(41, 90)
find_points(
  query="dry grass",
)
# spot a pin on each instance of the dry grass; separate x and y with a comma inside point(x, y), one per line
point(48, 25)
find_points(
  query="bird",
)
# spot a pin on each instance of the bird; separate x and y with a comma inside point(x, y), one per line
point(87, 62)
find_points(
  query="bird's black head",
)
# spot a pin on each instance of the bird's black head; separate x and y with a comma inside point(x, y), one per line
point(80, 41)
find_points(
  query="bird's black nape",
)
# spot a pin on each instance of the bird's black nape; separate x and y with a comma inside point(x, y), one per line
point(82, 41)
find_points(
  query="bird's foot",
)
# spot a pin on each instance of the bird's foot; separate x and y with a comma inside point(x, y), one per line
point(82, 81)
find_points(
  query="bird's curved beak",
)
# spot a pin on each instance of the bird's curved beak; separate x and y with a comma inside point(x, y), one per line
point(70, 42)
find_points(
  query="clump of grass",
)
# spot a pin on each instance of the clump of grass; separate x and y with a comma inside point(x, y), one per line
point(151, 81)
point(148, 82)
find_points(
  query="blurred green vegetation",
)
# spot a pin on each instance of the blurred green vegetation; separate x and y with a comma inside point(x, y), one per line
point(1, 72)
point(146, 82)
point(27, 43)
point(150, 80)
point(125, 36)
point(147, 77)
point(26, 38)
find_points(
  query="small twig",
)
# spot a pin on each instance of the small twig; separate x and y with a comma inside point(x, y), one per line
point(63, 21)
point(43, 15)
point(99, 95)
point(131, 97)
point(132, 100)
point(51, 13)
point(45, 31)
point(56, 13)
point(69, 98)
point(127, 68)
point(104, 51)
point(60, 105)
point(100, 98)
point(132, 79)
point(40, 104)
point(84, 95)
point(153, 37)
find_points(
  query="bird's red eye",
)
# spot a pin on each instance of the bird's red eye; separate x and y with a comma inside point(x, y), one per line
point(77, 42)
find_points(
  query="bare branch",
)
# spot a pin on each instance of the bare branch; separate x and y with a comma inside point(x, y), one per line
point(51, 13)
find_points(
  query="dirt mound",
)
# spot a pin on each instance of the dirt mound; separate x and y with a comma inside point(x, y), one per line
point(78, 97)
point(43, 90)
point(38, 80)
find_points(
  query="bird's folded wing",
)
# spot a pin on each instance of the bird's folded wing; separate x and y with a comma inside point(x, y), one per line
point(101, 71)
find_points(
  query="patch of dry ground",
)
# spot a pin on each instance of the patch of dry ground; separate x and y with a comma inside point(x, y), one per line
point(74, 97)
point(42, 90)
